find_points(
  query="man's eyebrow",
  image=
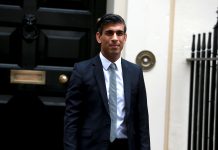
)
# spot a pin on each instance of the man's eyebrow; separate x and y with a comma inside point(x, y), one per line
point(114, 30)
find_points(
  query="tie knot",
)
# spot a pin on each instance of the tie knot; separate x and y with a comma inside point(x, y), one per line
point(112, 66)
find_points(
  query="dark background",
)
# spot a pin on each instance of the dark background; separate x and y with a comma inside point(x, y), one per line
point(49, 36)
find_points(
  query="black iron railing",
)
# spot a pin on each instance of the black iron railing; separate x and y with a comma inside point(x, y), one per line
point(203, 106)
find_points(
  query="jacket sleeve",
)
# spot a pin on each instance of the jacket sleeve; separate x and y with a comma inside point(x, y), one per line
point(143, 118)
point(72, 111)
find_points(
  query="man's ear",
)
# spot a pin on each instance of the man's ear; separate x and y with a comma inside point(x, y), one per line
point(98, 35)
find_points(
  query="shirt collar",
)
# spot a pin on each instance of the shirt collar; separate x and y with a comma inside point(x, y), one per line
point(106, 63)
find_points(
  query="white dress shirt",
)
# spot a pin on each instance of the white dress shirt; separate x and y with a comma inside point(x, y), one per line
point(121, 126)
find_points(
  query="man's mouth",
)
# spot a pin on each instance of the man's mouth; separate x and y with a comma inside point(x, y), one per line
point(114, 46)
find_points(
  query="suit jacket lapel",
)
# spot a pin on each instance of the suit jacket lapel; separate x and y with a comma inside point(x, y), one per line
point(127, 86)
point(99, 75)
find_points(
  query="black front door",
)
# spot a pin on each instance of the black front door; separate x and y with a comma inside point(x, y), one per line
point(40, 40)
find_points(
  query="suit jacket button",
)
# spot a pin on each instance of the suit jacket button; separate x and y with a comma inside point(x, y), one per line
point(108, 124)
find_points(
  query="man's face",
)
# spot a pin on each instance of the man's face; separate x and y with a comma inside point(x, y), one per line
point(112, 40)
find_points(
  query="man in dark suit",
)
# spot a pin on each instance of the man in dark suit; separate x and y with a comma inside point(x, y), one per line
point(96, 90)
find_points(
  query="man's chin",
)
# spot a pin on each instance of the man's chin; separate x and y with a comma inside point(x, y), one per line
point(115, 52)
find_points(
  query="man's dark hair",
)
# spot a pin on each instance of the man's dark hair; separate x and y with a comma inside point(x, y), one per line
point(109, 18)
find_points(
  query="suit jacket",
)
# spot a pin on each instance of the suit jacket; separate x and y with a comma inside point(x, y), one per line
point(87, 119)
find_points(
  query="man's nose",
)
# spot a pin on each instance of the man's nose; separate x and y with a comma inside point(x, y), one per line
point(114, 37)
